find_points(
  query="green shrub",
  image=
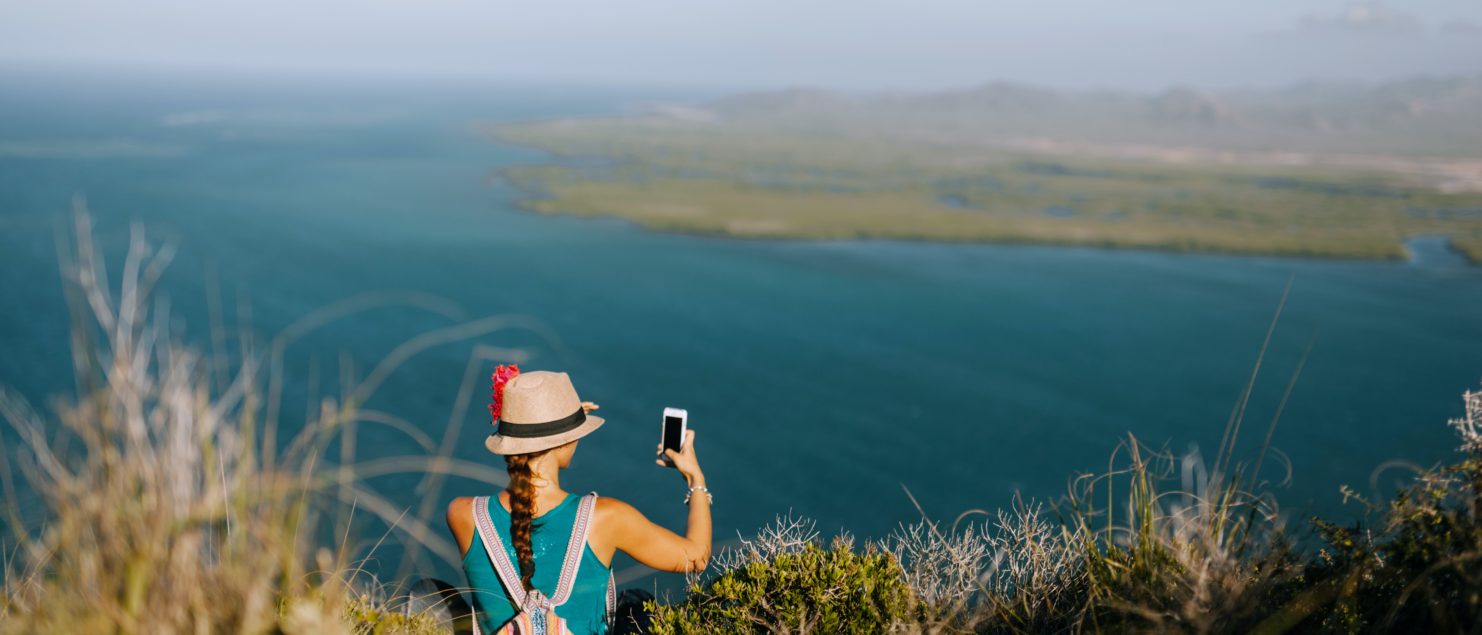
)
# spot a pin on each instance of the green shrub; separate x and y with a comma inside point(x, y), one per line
point(803, 588)
point(1419, 569)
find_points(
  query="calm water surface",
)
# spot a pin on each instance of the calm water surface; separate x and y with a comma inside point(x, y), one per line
point(823, 377)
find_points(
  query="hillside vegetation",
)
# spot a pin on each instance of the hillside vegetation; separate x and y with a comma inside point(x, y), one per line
point(1138, 549)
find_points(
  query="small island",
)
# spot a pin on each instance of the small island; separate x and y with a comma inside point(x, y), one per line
point(1315, 170)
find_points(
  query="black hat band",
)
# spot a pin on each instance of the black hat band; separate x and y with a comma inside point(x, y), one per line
point(547, 429)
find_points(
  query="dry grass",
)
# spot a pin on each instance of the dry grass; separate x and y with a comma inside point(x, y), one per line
point(1158, 543)
point(158, 499)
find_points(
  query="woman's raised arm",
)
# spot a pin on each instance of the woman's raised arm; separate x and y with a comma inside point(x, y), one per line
point(626, 529)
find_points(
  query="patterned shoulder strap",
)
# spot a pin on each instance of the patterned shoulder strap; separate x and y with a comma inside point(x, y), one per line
point(581, 531)
point(508, 574)
point(571, 565)
point(611, 594)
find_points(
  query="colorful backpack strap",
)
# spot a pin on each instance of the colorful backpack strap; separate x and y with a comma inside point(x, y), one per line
point(580, 530)
point(508, 574)
point(611, 594)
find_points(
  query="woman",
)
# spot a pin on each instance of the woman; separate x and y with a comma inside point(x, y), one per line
point(539, 419)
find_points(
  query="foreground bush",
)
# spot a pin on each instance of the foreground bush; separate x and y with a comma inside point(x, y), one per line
point(1126, 553)
point(1418, 568)
point(1020, 573)
point(784, 581)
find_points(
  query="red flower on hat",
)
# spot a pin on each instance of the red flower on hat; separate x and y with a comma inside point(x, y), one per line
point(502, 375)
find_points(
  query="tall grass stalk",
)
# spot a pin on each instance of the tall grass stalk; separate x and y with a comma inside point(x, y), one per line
point(158, 497)
point(1156, 542)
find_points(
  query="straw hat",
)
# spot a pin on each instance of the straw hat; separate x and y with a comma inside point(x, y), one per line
point(539, 411)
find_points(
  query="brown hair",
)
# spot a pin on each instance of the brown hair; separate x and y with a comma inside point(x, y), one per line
point(522, 512)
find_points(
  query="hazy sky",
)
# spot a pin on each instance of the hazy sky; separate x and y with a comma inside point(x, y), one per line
point(859, 44)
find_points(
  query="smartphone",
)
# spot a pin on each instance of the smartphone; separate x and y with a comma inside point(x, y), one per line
point(676, 422)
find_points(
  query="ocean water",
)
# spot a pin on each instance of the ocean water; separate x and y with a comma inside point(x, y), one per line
point(824, 378)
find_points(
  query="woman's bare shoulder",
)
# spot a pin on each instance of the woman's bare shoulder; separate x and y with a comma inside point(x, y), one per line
point(460, 507)
point(460, 520)
point(615, 515)
point(608, 506)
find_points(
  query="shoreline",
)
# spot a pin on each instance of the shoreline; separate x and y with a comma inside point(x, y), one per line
point(1407, 259)
point(528, 199)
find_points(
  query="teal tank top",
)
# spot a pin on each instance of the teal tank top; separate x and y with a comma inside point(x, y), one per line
point(585, 611)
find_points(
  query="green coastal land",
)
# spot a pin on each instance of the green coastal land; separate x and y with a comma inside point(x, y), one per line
point(1323, 171)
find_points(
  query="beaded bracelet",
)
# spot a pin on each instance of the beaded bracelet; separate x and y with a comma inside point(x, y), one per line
point(699, 488)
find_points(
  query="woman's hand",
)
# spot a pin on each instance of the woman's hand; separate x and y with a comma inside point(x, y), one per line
point(684, 460)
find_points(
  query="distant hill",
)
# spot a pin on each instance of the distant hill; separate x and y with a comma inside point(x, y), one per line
point(1437, 117)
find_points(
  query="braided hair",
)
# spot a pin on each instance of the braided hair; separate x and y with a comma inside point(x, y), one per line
point(522, 512)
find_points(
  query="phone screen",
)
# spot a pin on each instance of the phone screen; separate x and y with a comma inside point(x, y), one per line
point(673, 429)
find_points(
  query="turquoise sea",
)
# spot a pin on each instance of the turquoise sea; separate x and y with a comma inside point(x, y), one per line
point(823, 377)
